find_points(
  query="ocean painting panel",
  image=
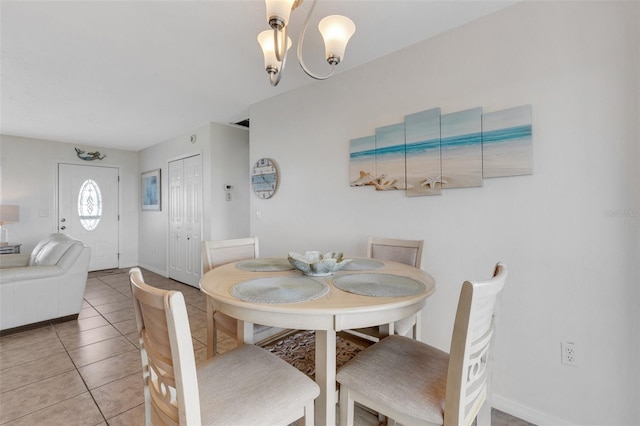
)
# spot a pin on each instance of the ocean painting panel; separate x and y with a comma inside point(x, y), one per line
point(507, 142)
point(390, 157)
point(461, 147)
point(422, 148)
point(362, 161)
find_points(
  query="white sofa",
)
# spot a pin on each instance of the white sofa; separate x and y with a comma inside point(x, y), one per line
point(45, 285)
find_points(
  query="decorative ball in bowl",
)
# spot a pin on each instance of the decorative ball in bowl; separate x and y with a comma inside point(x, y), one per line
point(317, 264)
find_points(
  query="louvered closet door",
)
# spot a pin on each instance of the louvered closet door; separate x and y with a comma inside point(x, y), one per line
point(185, 219)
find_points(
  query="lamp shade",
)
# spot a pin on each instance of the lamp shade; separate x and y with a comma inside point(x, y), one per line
point(265, 39)
point(279, 11)
point(9, 214)
point(336, 31)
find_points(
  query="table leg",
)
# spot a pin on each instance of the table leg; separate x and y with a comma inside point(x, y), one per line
point(325, 406)
point(385, 330)
point(210, 335)
point(244, 334)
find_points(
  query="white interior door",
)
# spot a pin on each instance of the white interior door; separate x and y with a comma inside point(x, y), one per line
point(185, 219)
point(88, 210)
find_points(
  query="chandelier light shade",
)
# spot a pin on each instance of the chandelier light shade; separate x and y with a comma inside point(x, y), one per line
point(278, 12)
point(271, 62)
point(336, 31)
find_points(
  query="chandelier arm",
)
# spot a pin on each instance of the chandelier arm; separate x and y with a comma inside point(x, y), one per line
point(274, 78)
point(279, 46)
point(299, 49)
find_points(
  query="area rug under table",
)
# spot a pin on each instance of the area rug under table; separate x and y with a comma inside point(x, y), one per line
point(299, 350)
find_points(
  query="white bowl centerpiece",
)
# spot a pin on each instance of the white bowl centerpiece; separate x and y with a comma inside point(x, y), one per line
point(317, 264)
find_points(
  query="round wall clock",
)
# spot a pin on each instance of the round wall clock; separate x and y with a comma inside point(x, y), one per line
point(264, 178)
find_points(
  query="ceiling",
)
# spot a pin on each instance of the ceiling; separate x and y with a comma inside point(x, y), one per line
point(130, 74)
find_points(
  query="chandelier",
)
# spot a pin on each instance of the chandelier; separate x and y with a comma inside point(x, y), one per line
point(336, 31)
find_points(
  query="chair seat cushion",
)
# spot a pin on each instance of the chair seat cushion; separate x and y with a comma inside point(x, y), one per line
point(407, 375)
point(247, 386)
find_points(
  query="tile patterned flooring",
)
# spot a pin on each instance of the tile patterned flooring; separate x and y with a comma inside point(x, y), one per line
point(88, 371)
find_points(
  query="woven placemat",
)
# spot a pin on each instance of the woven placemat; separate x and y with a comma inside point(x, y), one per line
point(265, 265)
point(279, 290)
point(379, 285)
point(363, 265)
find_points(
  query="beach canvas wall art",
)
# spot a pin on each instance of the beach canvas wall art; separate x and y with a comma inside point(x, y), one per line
point(390, 157)
point(362, 161)
point(507, 142)
point(422, 148)
point(430, 151)
point(461, 145)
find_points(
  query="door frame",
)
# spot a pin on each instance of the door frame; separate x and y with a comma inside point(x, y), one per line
point(56, 201)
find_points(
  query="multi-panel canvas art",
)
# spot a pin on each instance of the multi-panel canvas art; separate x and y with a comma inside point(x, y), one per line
point(390, 157)
point(422, 147)
point(430, 152)
point(362, 161)
point(507, 146)
point(462, 148)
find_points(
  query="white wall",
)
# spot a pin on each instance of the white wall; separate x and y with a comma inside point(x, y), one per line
point(229, 219)
point(29, 178)
point(569, 233)
point(224, 151)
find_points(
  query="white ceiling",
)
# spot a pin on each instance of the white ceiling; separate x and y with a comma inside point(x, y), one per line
point(130, 74)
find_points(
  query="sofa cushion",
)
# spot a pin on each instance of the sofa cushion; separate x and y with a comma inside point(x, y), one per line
point(51, 250)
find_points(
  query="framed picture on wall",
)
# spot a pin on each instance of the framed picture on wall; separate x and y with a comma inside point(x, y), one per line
point(151, 199)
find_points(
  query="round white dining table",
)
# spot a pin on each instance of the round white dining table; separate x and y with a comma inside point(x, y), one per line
point(229, 289)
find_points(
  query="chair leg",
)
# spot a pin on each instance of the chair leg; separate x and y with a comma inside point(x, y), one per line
point(484, 415)
point(347, 407)
point(417, 327)
point(309, 414)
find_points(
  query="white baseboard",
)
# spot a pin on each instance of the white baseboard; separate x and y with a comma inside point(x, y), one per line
point(526, 413)
point(155, 270)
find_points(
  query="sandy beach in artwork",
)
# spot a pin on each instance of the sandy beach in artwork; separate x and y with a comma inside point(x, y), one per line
point(424, 174)
point(511, 158)
point(462, 167)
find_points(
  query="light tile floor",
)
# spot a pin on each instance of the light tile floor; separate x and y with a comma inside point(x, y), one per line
point(88, 371)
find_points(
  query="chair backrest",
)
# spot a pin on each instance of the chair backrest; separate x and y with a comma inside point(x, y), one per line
point(469, 366)
point(408, 252)
point(219, 252)
point(168, 364)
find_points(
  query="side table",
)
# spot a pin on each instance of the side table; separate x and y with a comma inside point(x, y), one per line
point(10, 248)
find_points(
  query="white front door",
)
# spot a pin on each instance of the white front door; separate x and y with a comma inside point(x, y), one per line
point(185, 219)
point(88, 210)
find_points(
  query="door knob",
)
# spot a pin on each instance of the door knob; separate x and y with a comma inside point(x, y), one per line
point(63, 220)
point(62, 228)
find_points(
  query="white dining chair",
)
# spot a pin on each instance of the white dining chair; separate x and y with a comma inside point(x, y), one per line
point(416, 384)
point(245, 386)
point(408, 252)
point(217, 253)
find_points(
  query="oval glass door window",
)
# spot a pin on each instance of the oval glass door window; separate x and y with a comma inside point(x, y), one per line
point(89, 205)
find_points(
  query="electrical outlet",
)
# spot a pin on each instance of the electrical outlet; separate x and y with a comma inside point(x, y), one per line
point(569, 353)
